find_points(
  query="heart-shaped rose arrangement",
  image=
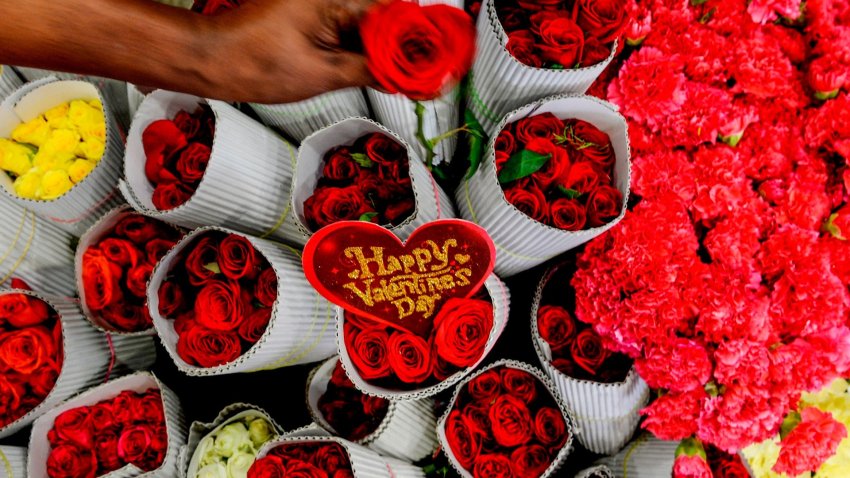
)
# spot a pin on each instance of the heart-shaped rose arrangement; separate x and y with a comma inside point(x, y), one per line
point(415, 315)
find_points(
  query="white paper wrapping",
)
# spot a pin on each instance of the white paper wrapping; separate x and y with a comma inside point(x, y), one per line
point(188, 461)
point(301, 328)
point(645, 457)
point(95, 233)
point(407, 432)
point(431, 202)
point(134, 99)
point(140, 382)
point(500, 83)
point(521, 242)
point(9, 81)
point(598, 471)
point(607, 413)
point(501, 299)
point(302, 118)
point(571, 429)
point(247, 181)
point(35, 250)
point(87, 200)
point(13, 462)
point(90, 357)
point(365, 463)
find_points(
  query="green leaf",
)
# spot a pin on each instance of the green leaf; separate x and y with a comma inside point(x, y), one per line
point(522, 164)
point(213, 267)
point(708, 16)
point(367, 217)
point(556, 66)
point(362, 160)
point(475, 137)
point(570, 193)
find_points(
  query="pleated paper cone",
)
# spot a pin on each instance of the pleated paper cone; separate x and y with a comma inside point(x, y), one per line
point(521, 242)
point(13, 462)
point(302, 118)
point(607, 413)
point(365, 463)
point(598, 471)
point(645, 457)
point(39, 447)
point(134, 99)
point(301, 328)
point(9, 81)
point(247, 181)
point(90, 357)
point(35, 250)
point(87, 200)
point(500, 83)
point(431, 202)
point(407, 432)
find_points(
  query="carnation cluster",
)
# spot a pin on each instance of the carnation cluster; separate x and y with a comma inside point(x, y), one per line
point(46, 156)
point(116, 269)
point(129, 429)
point(366, 181)
point(558, 172)
point(229, 451)
point(505, 423)
point(30, 353)
point(351, 413)
point(176, 155)
point(307, 459)
point(220, 292)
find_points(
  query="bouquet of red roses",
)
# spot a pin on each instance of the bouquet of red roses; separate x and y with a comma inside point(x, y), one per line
point(115, 260)
point(349, 412)
point(506, 420)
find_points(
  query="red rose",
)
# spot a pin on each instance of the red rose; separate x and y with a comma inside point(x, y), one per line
point(543, 126)
point(530, 201)
point(556, 326)
point(255, 324)
point(383, 150)
point(69, 461)
point(138, 228)
point(100, 280)
point(462, 438)
point(398, 211)
point(101, 417)
point(193, 162)
point(478, 414)
point(511, 421)
point(134, 443)
point(521, 45)
point(374, 406)
point(339, 378)
point(505, 142)
point(339, 166)
point(10, 399)
point(368, 352)
point(156, 249)
point(567, 214)
point(203, 254)
point(492, 465)
point(161, 140)
point(21, 310)
point(120, 251)
point(594, 52)
point(27, 350)
point(267, 467)
point(603, 20)
point(171, 299)
point(529, 461)
point(512, 18)
point(550, 427)
point(208, 348)
point(587, 351)
point(328, 205)
point(124, 408)
point(137, 279)
point(170, 195)
point(583, 177)
point(219, 305)
point(184, 322)
point(417, 51)
point(237, 258)
point(485, 387)
point(410, 357)
point(126, 317)
point(555, 167)
point(462, 329)
point(440, 369)
point(331, 457)
point(106, 450)
point(536, 5)
point(188, 124)
point(41, 381)
point(75, 426)
point(603, 205)
point(265, 291)
point(150, 408)
point(593, 143)
point(562, 40)
point(519, 383)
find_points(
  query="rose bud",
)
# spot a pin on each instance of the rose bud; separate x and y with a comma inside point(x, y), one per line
point(543, 126)
point(170, 195)
point(462, 329)
point(556, 326)
point(193, 162)
point(410, 357)
point(588, 352)
point(237, 258)
point(530, 201)
point(567, 214)
point(161, 140)
point(603, 20)
point(603, 205)
point(511, 421)
point(562, 40)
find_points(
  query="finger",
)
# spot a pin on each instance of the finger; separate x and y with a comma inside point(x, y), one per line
point(351, 69)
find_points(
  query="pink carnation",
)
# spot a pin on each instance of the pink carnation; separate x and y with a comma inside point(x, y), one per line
point(675, 364)
point(673, 416)
point(810, 443)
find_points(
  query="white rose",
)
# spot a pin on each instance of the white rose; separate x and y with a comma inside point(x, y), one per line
point(238, 464)
point(233, 438)
point(216, 470)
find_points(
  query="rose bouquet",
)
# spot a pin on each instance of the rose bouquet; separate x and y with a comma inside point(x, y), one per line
point(403, 429)
point(114, 261)
point(63, 152)
point(381, 174)
point(506, 420)
point(533, 49)
point(131, 426)
point(555, 176)
point(600, 386)
point(195, 162)
point(223, 302)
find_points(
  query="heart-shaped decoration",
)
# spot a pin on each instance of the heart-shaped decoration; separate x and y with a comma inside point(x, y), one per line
point(366, 269)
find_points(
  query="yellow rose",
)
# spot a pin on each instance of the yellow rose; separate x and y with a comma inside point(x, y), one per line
point(80, 169)
point(91, 148)
point(57, 117)
point(27, 185)
point(54, 184)
point(15, 158)
point(88, 119)
point(34, 132)
point(58, 152)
